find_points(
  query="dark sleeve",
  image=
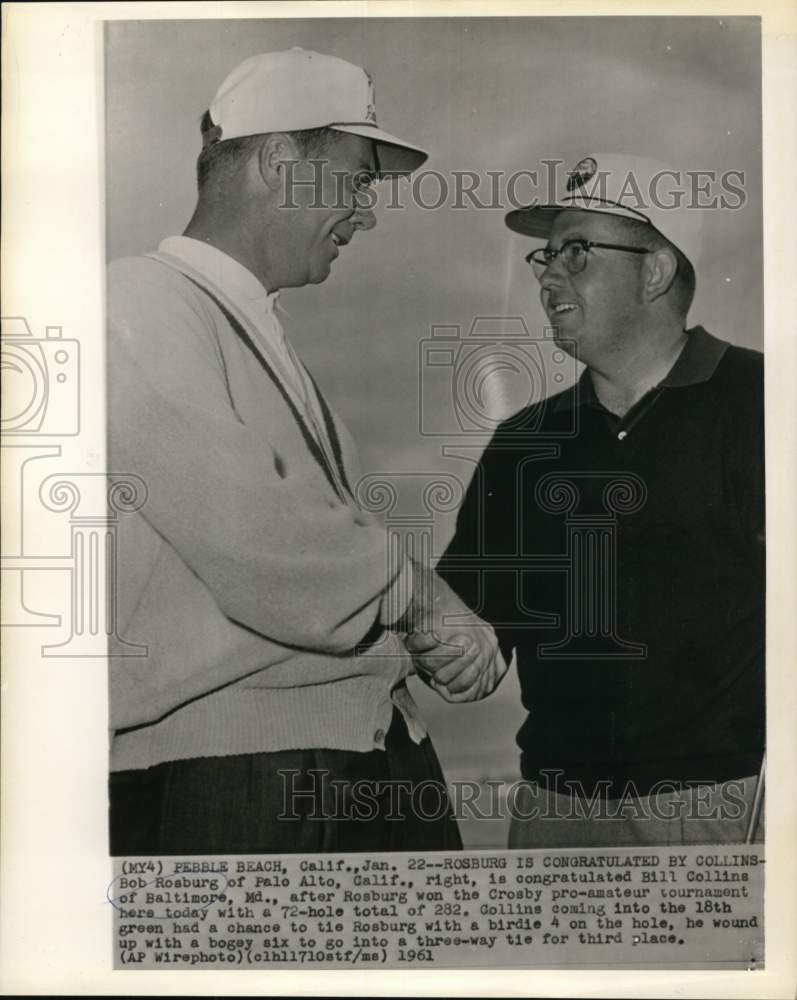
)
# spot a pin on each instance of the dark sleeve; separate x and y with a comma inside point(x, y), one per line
point(746, 451)
point(478, 536)
point(459, 566)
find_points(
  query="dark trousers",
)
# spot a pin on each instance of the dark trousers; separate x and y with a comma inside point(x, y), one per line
point(293, 801)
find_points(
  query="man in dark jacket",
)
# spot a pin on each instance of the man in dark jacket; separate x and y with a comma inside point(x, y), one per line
point(614, 536)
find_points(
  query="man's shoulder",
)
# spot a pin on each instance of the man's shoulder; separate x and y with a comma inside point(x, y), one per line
point(146, 272)
point(146, 288)
point(545, 416)
point(740, 375)
point(744, 361)
point(548, 420)
point(735, 393)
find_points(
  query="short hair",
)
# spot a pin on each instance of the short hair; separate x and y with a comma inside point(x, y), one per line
point(220, 160)
point(682, 290)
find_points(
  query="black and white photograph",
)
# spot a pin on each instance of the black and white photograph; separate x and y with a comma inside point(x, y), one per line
point(417, 540)
point(608, 532)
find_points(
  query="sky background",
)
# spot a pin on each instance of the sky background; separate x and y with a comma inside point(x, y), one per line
point(478, 94)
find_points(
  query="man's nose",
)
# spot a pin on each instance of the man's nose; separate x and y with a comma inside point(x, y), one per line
point(554, 275)
point(552, 280)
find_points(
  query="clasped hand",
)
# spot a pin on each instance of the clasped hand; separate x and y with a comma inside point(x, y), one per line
point(461, 659)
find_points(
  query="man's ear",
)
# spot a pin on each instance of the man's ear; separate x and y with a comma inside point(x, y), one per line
point(661, 268)
point(276, 150)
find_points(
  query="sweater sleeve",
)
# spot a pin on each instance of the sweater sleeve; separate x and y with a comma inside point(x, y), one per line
point(280, 555)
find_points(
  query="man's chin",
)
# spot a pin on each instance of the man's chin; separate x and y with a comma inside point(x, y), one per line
point(319, 275)
point(565, 340)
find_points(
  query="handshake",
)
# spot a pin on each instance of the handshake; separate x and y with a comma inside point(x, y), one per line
point(454, 651)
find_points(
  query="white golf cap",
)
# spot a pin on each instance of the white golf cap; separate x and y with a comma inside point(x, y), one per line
point(298, 89)
point(631, 186)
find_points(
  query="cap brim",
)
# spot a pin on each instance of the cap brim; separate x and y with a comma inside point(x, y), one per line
point(396, 158)
point(535, 220)
point(538, 220)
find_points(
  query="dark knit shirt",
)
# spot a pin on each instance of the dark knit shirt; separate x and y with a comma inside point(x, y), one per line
point(623, 559)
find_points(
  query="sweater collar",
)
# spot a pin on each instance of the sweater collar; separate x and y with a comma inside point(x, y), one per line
point(696, 363)
point(226, 272)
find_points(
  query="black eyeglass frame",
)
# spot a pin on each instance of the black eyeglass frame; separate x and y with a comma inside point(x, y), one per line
point(544, 256)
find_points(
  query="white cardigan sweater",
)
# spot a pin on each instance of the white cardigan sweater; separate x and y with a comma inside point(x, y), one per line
point(245, 575)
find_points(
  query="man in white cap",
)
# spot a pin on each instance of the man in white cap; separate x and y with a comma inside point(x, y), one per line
point(630, 511)
point(271, 711)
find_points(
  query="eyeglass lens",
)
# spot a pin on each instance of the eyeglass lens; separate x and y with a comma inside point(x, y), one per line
point(573, 255)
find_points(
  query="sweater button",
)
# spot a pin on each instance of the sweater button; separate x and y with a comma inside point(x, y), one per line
point(622, 435)
point(379, 736)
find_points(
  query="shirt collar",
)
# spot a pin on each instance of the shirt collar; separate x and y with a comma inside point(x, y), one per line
point(696, 363)
point(226, 272)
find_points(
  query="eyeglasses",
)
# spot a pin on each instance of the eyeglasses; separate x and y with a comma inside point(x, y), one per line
point(573, 253)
